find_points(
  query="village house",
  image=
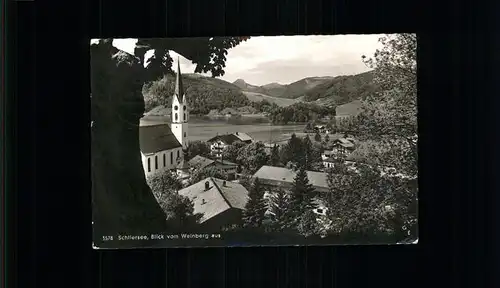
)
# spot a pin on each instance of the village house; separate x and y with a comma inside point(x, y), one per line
point(220, 202)
point(322, 129)
point(272, 177)
point(200, 162)
point(283, 177)
point(329, 162)
point(268, 146)
point(162, 145)
point(343, 146)
point(220, 142)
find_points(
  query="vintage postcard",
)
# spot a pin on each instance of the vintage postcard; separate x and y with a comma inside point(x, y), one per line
point(254, 141)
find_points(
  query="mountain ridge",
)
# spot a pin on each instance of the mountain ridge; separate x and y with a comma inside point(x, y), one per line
point(213, 93)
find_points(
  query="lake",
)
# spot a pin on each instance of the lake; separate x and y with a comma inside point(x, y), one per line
point(258, 127)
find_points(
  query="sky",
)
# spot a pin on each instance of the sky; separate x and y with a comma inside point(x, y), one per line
point(285, 59)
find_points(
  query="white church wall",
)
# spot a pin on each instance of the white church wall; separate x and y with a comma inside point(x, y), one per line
point(170, 160)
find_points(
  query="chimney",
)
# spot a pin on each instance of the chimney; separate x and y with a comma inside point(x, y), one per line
point(224, 183)
point(207, 186)
point(236, 133)
point(203, 201)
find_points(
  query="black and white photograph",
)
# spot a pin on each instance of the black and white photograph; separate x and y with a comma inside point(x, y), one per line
point(254, 141)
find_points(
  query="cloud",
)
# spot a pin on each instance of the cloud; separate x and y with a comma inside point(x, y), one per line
point(285, 59)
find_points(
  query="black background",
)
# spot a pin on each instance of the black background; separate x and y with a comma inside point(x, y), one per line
point(49, 240)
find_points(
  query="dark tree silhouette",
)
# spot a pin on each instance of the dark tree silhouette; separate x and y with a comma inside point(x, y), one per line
point(197, 148)
point(317, 137)
point(122, 200)
point(278, 205)
point(208, 53)
point(274, 159)
point(301, 196)
point(166, 181)
point(308, 224)
point(292, 151)
point(231, 152)
point(253, 156)
point(256, 207)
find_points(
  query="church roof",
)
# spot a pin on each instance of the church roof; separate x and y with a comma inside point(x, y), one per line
point(156, 138)
point(179, 88)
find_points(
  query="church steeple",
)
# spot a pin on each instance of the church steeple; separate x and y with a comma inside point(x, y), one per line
point(180, 111)
point(179, 88)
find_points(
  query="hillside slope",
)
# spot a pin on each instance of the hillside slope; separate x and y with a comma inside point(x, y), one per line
point(244, 86)
point(289, 91)
point(343, 89)
point(302, 87)
point(257, 97)
point(203, 93)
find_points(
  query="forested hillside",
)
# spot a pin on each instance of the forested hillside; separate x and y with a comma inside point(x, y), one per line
point(203, 93)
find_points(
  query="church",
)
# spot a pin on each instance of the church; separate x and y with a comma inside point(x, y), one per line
point(162, 146)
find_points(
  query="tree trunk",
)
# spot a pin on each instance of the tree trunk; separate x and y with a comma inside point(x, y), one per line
point(123, 203)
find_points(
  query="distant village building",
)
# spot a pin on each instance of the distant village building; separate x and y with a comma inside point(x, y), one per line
point(220, 142)
point(329, 162)
point(200, 162)
point(268, 146)
point(343, 146)
point(272, 177)
point(322, 129)
point(220, 202)
point(162, 146)
point(282, 177)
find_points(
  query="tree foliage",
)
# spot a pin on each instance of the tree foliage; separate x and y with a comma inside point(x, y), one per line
point(253, 156)
point(365, 204)
point(301, 196)
point(231, 152)
point(299, 112)
point(197, 148)
point(208, 53)
point(163, 182)
point(390, 116)
point(178, 209)
point(210, 171)
point(311, 155)
point(278, 205)
point(317, 137)
point(292, 151)
point(308, 224)
point(256, 207)
point(275, 157)
point(203, 94)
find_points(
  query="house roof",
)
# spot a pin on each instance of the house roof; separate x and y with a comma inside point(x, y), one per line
point(156, 138)
point(217, 199)
point(200, 162)
point(344, 142)
point(280, 174)
point(225, 163)
point(226, 138)
point(244, 137)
